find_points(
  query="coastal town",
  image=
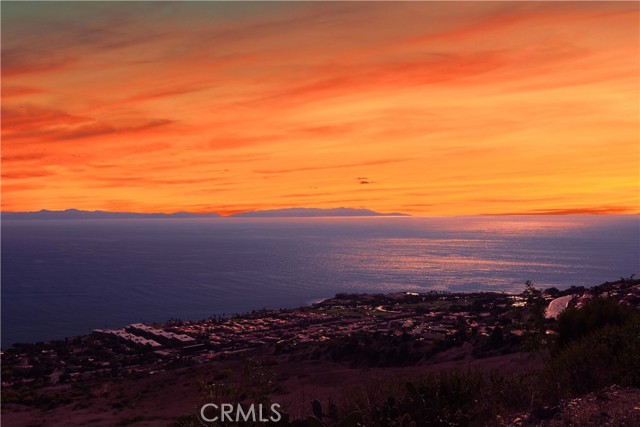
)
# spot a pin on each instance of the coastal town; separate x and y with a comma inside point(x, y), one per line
point(433, 322)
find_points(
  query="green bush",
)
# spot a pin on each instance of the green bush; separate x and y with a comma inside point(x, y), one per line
point(609, 355)
point(453, 398)
point(575, 323)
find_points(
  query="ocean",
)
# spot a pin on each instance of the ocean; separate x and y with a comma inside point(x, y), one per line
point(62, 278)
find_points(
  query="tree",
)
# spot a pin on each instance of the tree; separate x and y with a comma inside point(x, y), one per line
point(536, 305)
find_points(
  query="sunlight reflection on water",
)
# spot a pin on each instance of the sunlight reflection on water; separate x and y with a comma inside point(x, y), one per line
point(62, 278)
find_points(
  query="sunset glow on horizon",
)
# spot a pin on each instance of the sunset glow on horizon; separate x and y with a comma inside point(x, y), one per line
point(426, 108)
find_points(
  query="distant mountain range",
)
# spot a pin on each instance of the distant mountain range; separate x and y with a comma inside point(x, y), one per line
point(313, 212)
point(276, 213)
point(78, 214)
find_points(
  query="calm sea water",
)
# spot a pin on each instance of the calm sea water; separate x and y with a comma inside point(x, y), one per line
point(65, 277)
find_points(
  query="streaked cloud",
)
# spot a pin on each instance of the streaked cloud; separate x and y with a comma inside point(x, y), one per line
point(449, 108)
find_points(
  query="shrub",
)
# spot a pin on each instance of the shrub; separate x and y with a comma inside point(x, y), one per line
point(609, 355)
point(575, 323)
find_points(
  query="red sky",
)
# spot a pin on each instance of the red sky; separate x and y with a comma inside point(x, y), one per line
point(426, 108)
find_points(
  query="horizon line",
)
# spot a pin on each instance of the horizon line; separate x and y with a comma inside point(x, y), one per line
point(552, 212)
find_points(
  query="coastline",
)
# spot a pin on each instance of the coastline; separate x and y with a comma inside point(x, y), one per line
point(574, 296)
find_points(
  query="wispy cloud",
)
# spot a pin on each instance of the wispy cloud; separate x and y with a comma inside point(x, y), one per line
point(334, 166)
point(597, 210)
point(447, 110)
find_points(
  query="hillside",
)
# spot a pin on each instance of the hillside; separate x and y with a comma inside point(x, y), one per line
point(80, 214)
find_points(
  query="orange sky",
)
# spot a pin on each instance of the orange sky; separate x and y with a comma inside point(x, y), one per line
point(425, 108)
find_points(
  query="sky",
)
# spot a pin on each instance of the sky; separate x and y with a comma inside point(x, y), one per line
point(426, 108)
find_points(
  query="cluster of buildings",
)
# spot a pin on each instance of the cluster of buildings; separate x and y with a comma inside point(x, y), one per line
point(166, 337)
point(425, 317)
point(129, 338)
point(140, 335)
